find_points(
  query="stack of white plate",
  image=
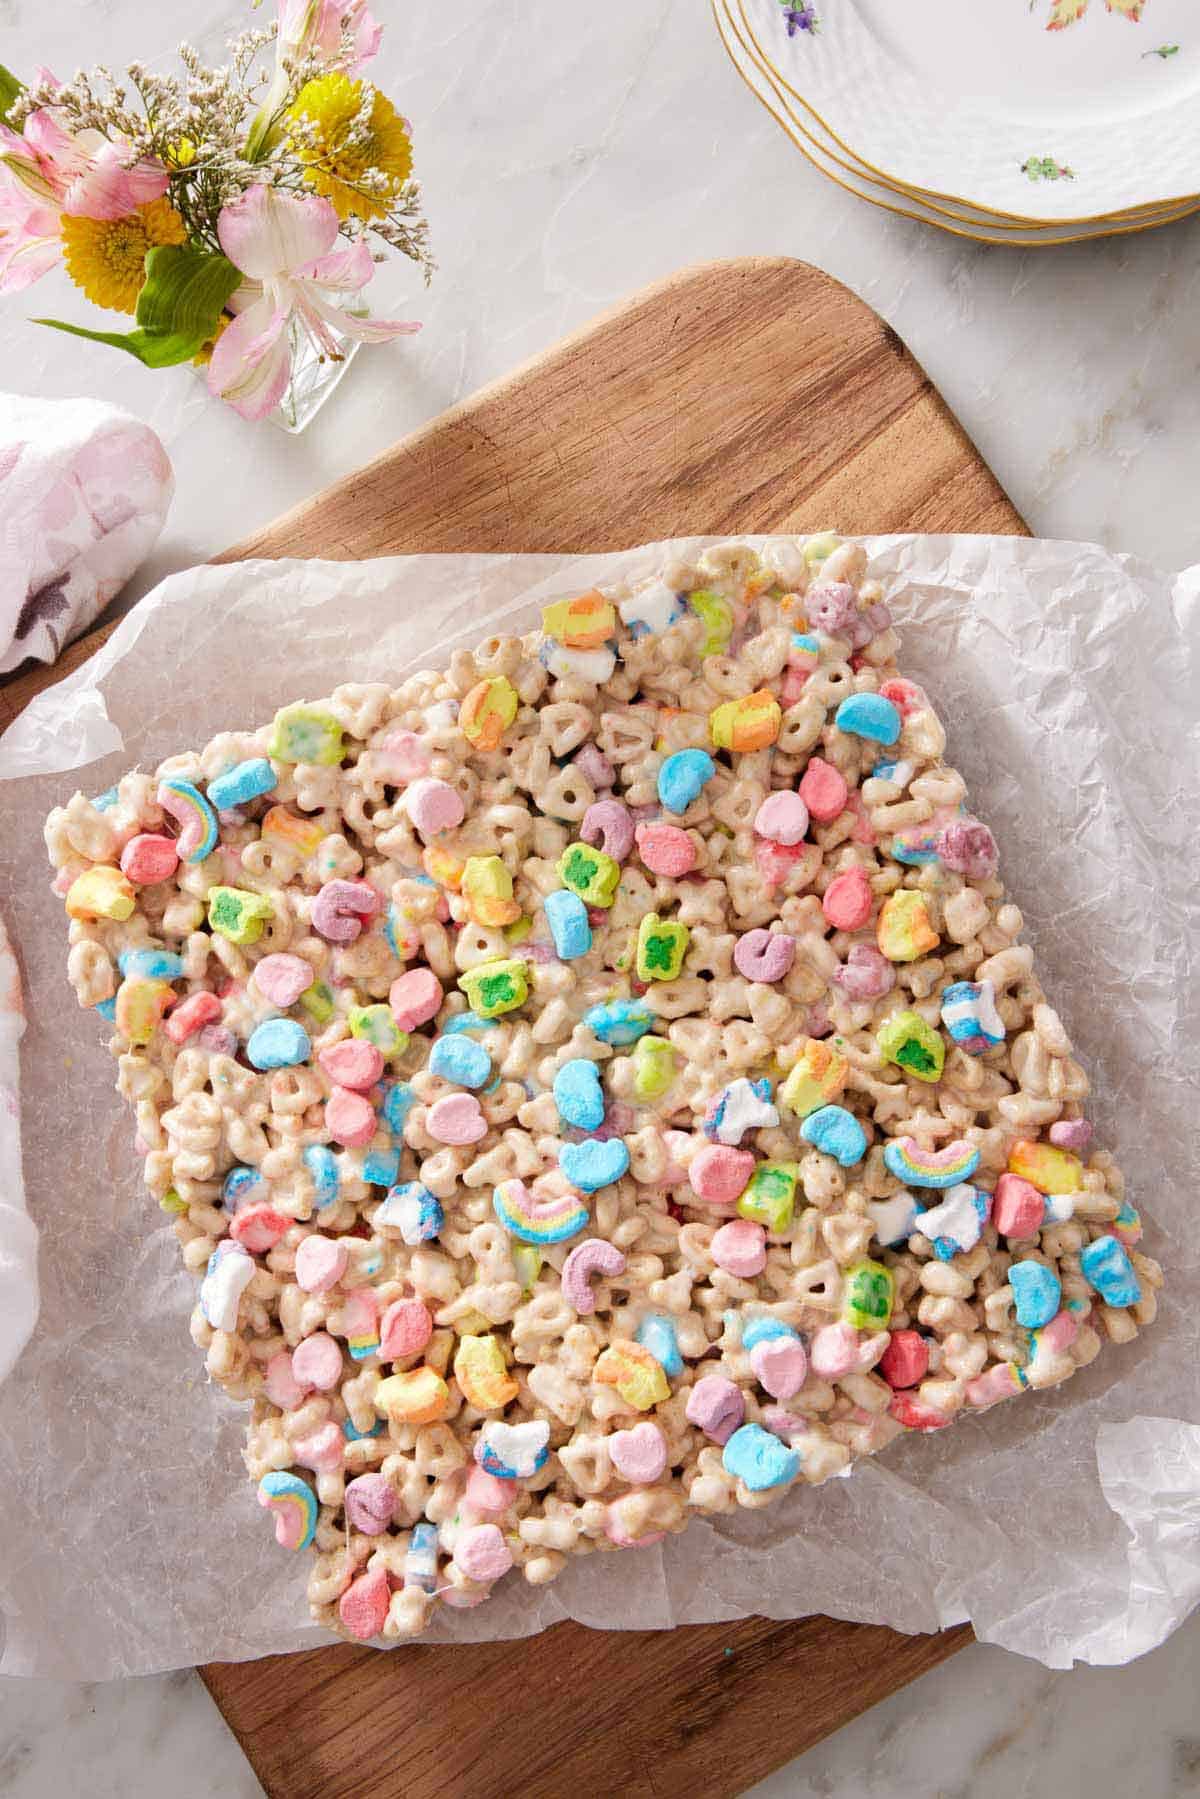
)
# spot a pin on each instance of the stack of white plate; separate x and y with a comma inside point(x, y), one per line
point(1007, 121)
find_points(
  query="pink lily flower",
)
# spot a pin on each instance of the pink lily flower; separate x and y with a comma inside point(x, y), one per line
point(30, 242)
point(308, 27)
point(311, 28)
point(284, 245)
point(84, 175)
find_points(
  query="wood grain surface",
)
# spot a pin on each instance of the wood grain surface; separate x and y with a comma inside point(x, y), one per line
point(757, 395)
point(698, 1713)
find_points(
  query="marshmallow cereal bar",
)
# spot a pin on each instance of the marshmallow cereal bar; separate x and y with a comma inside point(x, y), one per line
point(596, 1083)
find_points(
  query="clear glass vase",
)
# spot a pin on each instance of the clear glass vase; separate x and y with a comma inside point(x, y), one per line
point(314, 374)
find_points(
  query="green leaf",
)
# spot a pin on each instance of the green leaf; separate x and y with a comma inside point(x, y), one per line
point(185, 290)
point(178, 309)
point(154, 349)
point(10, 87)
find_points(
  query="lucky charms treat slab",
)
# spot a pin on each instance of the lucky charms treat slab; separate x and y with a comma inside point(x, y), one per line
point(595, 1084)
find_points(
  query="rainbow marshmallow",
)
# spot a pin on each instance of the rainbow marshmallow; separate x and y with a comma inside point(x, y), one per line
point(360, 1322)
point(400, 933)
point(196, 819)
point(1003, 1380)
point(1127, 1225)
point(535, 1219)
point(141, 1005)
point(295, 1507)
point(804, 655)
point(916, 844)
point(918, 1167)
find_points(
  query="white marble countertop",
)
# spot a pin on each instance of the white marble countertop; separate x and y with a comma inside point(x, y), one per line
point(984, 1725)
point(571, 155)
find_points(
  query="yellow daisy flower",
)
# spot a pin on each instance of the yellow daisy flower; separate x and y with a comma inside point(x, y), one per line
point(337, 157)
point(203, 355)
point(107, 257)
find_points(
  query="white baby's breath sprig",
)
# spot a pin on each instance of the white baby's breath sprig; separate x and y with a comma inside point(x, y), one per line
point(208, 128)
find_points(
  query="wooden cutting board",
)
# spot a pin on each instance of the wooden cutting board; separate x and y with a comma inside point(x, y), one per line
point(757, 395)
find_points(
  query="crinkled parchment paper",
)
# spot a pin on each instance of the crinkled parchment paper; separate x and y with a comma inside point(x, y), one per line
point(1065, 1524)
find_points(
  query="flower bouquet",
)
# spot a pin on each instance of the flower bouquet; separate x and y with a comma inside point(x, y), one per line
point(237, 212)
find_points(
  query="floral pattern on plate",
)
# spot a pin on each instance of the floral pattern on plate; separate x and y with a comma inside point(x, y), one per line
point(1044, 168)
point(1069, 12)
point(800, 18)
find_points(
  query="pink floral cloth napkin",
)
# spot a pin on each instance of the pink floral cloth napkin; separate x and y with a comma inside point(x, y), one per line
point(84, 490)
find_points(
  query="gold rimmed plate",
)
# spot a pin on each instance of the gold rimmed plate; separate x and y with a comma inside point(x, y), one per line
point(879, 190)
point(998, 115)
